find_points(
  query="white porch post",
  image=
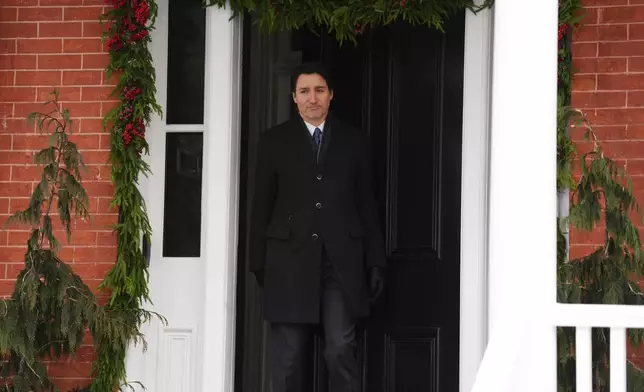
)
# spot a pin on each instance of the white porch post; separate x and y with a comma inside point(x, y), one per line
point(221, 170)
point(523, 198)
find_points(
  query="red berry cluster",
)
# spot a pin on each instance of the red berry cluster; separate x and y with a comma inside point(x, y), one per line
point(132, 28)
point(126, 113)
point(140, 35)
point(134, 127)
point(131, 92)
point(126, 25)
point(141, 12)
point(562, 31)
point(563, 57)
point(115, 44)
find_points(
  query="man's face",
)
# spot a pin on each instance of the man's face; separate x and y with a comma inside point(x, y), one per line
point(312, 97)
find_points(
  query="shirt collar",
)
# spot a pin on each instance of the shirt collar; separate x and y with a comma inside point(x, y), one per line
point(311, 127)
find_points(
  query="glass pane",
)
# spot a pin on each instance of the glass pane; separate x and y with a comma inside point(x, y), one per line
point(186, 62)
point(182, 204)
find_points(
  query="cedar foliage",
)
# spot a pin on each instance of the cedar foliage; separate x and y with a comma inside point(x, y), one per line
point(51, 309)
point(601, 198)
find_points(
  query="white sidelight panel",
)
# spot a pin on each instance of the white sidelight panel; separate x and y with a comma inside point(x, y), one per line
point(176, 263)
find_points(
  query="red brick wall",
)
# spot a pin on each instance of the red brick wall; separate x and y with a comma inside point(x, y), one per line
point(609, 86)
point(46, 44)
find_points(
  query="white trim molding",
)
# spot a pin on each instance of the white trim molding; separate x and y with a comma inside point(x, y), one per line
point(474, 191)
point(220, 191)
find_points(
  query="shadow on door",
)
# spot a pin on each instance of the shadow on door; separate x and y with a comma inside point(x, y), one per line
point(403, 85)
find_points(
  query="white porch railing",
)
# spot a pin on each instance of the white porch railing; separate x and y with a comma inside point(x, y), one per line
point(504, 355)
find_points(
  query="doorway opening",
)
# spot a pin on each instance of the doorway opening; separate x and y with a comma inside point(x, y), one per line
point(403, 85)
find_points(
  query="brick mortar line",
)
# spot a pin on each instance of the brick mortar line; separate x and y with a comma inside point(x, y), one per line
point(585, 25)
point(635, 73)
point(621, 41)
point(605, 91)
point(613, 6)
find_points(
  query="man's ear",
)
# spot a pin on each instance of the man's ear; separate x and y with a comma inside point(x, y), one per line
point(293, 95)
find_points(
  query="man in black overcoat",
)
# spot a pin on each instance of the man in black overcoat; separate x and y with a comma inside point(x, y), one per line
point(315, 241)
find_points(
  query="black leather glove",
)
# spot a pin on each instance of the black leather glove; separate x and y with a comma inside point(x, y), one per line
point(376, 283)
point(259, 277)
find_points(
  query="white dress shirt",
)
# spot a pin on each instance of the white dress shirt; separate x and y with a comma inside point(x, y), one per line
point(311, 128)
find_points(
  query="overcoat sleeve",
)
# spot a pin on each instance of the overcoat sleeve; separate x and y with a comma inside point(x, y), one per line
point(262, 207)
point(374, 245)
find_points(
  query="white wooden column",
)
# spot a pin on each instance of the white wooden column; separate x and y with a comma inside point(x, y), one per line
point(523, 198)
point(220, 190)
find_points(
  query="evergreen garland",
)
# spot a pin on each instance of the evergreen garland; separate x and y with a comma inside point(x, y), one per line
point(347, 18)
point(602, 196)
point(130, 58)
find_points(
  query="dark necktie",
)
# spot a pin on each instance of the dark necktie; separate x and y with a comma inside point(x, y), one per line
point(317, 136)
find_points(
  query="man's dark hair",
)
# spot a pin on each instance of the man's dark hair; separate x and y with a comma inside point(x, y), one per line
point(309, 69)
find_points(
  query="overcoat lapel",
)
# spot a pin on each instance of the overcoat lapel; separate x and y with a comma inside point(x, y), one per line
point(304, 142)
point(320, 153)
point(326, 140)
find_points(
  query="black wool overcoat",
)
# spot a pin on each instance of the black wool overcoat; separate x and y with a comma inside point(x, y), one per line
point(304, 198)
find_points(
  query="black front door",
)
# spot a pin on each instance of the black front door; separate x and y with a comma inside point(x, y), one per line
point(403, 85)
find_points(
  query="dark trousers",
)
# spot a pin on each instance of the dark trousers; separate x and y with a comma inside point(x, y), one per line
point(289, 342)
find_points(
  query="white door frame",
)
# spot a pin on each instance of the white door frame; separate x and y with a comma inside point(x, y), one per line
point(474, 195)
point(222, 141)
point(221, 166)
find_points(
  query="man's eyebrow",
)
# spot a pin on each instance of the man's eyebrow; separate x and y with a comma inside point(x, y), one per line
point(307, 87)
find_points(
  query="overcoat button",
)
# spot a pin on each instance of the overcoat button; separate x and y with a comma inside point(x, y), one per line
point(318, 205)
point(315, 237)
point(319, 177)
